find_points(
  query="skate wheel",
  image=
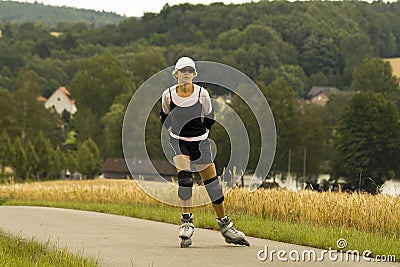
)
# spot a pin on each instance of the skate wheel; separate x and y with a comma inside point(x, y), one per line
point(185, 243)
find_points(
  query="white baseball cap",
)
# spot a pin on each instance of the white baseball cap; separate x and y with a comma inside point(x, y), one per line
point(185, 62)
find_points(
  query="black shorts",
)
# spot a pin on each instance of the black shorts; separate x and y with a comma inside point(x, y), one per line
point(198, 151)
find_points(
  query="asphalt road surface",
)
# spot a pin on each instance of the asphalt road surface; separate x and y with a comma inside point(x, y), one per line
point(123, 241)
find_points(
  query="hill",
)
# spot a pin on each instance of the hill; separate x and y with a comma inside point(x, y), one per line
point(18, 12)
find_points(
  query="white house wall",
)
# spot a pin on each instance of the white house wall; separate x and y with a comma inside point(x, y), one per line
point(60, 102)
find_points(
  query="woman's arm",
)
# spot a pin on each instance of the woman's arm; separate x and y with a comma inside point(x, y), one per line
point(209, 117)
point(165, 101)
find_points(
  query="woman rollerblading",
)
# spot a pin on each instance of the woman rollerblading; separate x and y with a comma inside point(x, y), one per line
point(188, 115)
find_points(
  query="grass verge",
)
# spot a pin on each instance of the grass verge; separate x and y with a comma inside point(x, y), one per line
point(256, 226)
point(16, 251)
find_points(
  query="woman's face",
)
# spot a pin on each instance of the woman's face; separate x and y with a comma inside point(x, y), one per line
point(185, 75)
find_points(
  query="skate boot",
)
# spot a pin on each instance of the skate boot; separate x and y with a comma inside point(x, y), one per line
point(186, 230)
point(230, 233)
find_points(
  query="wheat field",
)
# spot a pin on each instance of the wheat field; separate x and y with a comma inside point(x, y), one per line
point(363, 212)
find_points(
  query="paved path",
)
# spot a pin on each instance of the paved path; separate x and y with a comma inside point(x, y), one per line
point(123, 241)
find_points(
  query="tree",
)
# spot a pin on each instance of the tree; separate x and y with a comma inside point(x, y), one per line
point(375, 75)
point(354, 49)
point(143, 65)
point(320, 53)
point(112, 122)
point(57, 162)
point(68, 160)
point(32, 161)
point(367, 143)
point(95, 86)
point(100, 78)
point(295, 76)
point(282, 100)
point(30, 115)
point(332, 113)
point(68, 42)
point(8, 111)
point(52, 72)
point(312, 134)
point(5, 77)
point(25, 160)
point(45, 152)
point(42, 50)
point(153, 136)
point(89, 160)
point(7, 151)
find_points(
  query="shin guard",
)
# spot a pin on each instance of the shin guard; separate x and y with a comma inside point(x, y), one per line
point(214, 190)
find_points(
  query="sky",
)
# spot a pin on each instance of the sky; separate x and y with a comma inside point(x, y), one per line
point(128, 7)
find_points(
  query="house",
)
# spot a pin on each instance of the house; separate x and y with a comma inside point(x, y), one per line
point(148, 170)
point(319, 95)
point(61, 100)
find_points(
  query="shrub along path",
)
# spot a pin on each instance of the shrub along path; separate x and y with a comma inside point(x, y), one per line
point(123, 241)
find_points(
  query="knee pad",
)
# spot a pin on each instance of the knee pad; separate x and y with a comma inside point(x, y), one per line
point(185, 182)
point(214, 190)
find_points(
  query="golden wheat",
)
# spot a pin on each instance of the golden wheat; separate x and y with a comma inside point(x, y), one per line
point(364, 212)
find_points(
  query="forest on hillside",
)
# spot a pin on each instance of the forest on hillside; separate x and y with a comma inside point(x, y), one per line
point(285, 47)
point(38, 13)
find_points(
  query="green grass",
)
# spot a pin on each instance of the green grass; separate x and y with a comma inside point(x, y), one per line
point(16, 251)
point(256, 226)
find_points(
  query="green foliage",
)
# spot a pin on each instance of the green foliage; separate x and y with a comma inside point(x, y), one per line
point(300, 130)
point(39, 159)
point(19, 161)
point(285, 47)
point(282, 100)
point(7, 150)
point(331, 115)
point(367, 141)
point(112, 122)
point(46, 156)
point(375, 75)
point(102, 78)
point(16, 251)
point(28, 126)
point(18, 12)
point(8, 110)
point(354, 49)
point(89, 160)
point(98, 82)
point(153, 136)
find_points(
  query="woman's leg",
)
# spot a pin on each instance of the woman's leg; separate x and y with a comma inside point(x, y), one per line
point(182, 163)
point(207, 173)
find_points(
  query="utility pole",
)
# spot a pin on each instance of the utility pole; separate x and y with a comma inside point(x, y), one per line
point(304, 162)
point(289, 161)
